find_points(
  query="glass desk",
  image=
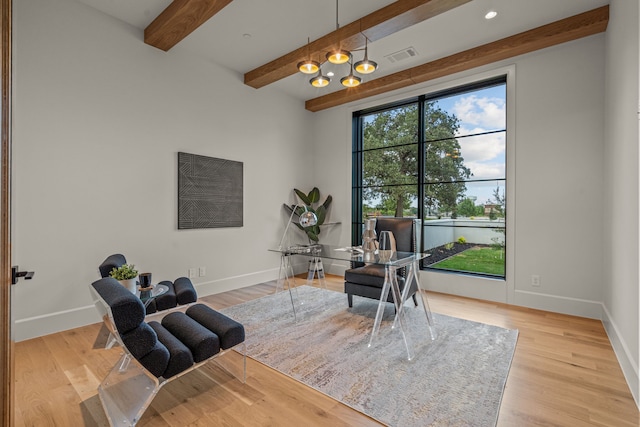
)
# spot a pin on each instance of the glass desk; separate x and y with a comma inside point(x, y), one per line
point(397, 260)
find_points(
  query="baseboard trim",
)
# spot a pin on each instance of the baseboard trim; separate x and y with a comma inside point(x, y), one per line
point(558, 304)
point(37, 326)
point(620, 348)
point(50, 323)
point(236, 282)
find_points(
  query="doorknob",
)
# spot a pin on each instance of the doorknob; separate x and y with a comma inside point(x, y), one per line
point(15, 274)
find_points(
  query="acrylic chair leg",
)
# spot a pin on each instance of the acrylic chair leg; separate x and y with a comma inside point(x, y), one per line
point(111, 341)
point(125, 395)
point(125, 360)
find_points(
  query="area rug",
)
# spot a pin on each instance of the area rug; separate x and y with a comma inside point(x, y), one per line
point(455, 380)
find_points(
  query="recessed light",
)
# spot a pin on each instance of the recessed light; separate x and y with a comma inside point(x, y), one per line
point(491, 14)
point(330, 74)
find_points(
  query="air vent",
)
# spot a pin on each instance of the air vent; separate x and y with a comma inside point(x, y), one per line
point(401, 55)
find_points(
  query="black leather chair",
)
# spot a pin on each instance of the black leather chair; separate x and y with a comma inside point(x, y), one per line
point(181, 292)
point(367, 280)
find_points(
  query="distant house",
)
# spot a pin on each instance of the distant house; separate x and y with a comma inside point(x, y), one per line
point(488, 208)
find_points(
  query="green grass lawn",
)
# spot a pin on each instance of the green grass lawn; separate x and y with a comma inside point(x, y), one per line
point(475, 260)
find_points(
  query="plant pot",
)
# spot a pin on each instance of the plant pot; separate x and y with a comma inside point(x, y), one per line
point(130, 284)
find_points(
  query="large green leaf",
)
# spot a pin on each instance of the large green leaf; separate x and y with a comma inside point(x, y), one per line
point(321, 213)
point(327, 201)
point(312, 236)
point(314, 195)
point(305, 199)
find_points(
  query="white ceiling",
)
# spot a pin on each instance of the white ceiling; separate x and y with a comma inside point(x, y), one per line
point(249, 33)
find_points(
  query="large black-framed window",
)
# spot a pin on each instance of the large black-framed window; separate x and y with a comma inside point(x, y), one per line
point(440, 157)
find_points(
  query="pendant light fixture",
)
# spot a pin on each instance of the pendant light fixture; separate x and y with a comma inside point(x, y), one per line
point(320, 80)
point(350, 80)
point(366, 66)
point(309, 66)
point(338, 56)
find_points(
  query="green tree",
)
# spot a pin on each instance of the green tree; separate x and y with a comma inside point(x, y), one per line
point(467, 208)
point(499, 201)
point(444, 165)
point(391, 159)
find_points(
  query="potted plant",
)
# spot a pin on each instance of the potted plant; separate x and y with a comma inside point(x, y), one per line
point(311, 201)
point(127, 275)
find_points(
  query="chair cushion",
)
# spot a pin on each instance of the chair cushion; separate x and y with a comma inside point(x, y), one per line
point(230, 332)
point(201, 341)
point(369, 275)
point(185, 292)
point(156, 360)
point(168, 299)
point(113, 261)
point(127, 309)
point(180, 357)
point(140, 340)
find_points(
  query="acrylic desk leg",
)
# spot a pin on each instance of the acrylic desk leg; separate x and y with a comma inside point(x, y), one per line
point(285, 265)
point(316, 267)
point(383, 299)
point(391, 284)
point(413, 272)
point(400, 315)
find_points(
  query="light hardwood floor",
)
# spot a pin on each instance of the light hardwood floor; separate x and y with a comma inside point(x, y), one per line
point(564, 373)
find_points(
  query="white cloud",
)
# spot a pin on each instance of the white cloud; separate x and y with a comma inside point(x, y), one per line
point(486, 170)
point(484, 113)
point(482, 148)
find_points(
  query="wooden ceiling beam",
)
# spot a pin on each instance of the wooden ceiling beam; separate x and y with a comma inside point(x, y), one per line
point(381, 23)
point(562, 31)
point(179, 20)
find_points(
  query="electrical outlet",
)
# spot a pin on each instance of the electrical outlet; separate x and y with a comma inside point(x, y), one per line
point(202, 271)
point(535, 280)
point(193, 272)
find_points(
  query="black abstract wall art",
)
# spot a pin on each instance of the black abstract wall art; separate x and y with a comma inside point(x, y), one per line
point(209, 192)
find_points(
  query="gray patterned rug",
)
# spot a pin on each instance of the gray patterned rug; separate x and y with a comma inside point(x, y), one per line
point(456, 380)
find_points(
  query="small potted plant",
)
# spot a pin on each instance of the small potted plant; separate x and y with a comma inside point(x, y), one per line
point(127, 275)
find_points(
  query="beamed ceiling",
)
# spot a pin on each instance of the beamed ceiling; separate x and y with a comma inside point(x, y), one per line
point(264, 40)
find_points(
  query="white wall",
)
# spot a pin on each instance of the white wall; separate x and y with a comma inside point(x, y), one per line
point(621, 278)
point(98, 120)
point(99, 117)
point(555, 176)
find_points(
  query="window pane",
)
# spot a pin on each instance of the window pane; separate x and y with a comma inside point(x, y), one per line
point(391, 127)
point(465, 199)
point(484, 155)
point(471, 237)
point(478, 111)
